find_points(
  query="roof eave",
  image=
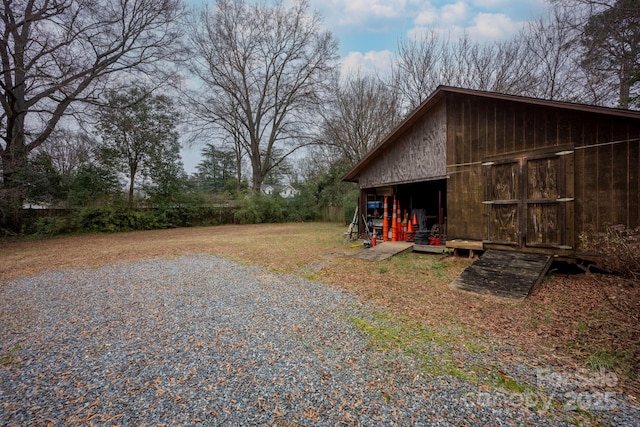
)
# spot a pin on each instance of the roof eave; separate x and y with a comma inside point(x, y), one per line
point(353, 174)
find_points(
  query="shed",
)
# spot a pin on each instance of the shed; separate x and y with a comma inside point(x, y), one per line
point(508, 172)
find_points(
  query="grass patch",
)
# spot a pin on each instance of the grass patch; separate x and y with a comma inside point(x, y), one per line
point(389, 333)
point(603, 359)
point(582, 326)
point(439, 266)
point(434, 350)
point(405, 263)
point(383, 268)
point(10, 358)
point(512, 385)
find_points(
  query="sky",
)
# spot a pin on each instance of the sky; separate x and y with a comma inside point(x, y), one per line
point(368, 30)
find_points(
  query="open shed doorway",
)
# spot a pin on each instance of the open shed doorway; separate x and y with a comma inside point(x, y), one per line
point(428, 199)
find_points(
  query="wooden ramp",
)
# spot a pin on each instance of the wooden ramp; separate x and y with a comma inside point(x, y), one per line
point(504, 274)
point(383, 250)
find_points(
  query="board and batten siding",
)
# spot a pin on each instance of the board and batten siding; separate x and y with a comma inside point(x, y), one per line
point(607, 172)
point(599, 173)
point(418, 155)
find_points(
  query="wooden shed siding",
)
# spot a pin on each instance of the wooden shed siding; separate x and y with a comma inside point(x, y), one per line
point(607, 174)
point(634, 181)
point(466, 126)
point(418, 155)
point(576, 165)
point(603, 179)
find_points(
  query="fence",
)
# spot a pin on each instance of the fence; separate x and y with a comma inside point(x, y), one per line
point(332, 214)
point(32, 213)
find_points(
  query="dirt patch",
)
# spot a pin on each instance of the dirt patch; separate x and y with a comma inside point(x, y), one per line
point(568, 322)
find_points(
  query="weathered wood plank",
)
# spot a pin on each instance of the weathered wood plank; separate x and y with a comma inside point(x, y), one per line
point(604, 201)
point(465, 244)
point(430, 249)
point(569, 208)
point(589, 177)
point(505, 274)
point(383, 251)
point(634, 181)
point(420, 154)
point(619, 184)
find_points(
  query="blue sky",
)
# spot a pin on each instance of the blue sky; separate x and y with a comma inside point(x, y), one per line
point(368, 30)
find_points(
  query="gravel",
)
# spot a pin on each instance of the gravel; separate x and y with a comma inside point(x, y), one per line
point(201, 340)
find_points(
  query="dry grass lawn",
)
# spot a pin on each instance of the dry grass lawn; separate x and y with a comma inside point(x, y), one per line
point(566, 323)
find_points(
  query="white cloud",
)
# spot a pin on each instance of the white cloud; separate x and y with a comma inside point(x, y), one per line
point(483, 20)
point(428, 16)
point(493, 26)
point(450, 14)
point(356, 12)
point(490, 4)
point(454, 20)
point(453, 13)
point(371, 62)
point(505, 4)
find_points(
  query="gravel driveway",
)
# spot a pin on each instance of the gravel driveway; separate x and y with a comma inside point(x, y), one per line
point(201, 340)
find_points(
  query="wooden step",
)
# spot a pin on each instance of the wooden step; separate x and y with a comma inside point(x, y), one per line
point(383, 250)
point(506, 274)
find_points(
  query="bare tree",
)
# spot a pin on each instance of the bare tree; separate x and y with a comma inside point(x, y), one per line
point(415, 74)
point(499, 67)
point(551, 44)
point(362, 111)
point(58, 54)
point(582, 51)
point(264, 69)
point(69, 150)
point(432, 60)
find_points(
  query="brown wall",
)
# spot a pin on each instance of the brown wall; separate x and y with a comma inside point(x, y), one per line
point(603, 180)
point(418, 155)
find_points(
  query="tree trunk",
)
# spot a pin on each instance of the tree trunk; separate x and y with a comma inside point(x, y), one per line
point(238, 168)
point(12, 196)
point(11, 214)
point(257, 179)
point(13, 190)
point(256, 169)
point(132, 179)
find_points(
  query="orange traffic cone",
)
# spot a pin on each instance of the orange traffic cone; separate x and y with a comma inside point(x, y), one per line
point(405, 220)
point(411, 235)
point(415, 220)
point(385, 221)
point(394, 224)
point(373, 238)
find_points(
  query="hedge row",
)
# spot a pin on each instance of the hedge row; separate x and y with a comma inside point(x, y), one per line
point(253, 209)
point(115, 219)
